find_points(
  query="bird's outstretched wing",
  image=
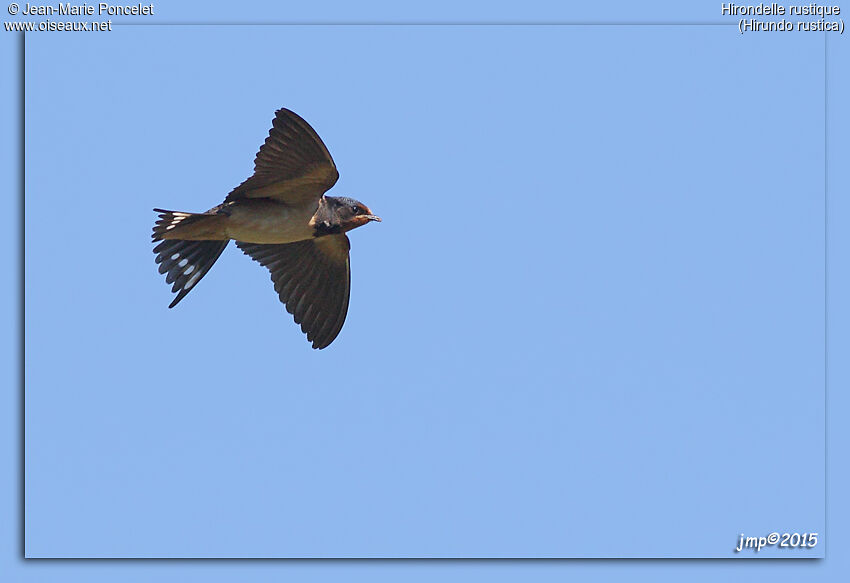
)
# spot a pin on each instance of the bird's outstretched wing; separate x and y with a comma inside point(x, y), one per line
point(313, 279)
point(293, 165)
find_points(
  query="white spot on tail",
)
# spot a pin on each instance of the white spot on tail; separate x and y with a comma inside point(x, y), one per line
point(190, 270)
point(183, 262)
point(175, 219)
point(192, 281)
point(175, 256)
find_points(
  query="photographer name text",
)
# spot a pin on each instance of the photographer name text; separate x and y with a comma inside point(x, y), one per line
point(99, 9)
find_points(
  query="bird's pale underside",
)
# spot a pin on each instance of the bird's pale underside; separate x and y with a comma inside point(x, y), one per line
point(282, 219)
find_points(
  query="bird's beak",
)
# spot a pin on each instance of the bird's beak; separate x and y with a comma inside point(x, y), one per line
point(371, 218)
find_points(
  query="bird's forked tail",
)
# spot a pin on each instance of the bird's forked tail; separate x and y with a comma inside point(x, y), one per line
point(184, 262)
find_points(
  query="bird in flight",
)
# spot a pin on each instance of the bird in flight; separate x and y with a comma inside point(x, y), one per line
point(282, 219)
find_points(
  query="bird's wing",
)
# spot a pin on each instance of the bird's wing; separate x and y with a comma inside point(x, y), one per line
point(293, 165)
point(313, 279)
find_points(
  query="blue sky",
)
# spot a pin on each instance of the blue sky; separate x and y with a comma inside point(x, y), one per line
point(590, 325)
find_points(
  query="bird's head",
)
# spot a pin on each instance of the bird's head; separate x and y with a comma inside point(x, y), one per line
point(350, 213)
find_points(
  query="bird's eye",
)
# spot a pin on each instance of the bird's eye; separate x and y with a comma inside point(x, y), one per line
point(356, 209)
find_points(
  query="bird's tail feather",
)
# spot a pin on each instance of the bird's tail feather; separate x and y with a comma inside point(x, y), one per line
point(185, 263)
point(206, 226)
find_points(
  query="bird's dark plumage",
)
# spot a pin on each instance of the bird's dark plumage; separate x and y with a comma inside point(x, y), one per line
point(282, 219)
point(185, 263)
point(312, 278)
point(293, 164)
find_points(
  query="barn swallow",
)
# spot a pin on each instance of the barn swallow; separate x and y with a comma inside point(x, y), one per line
point(281, 218)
